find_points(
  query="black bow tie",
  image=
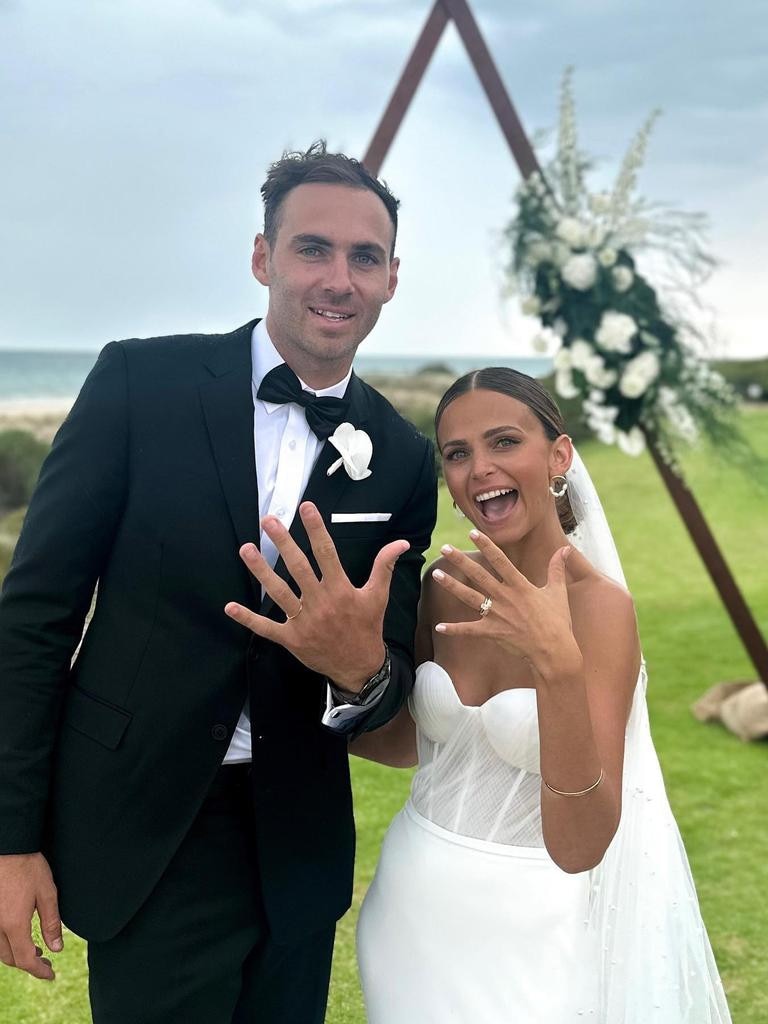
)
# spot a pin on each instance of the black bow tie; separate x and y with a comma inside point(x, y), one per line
point(324, 414)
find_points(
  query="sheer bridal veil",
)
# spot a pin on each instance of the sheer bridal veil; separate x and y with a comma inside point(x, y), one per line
point(656, 962)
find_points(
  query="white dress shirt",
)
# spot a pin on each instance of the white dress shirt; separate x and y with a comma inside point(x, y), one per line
point(286, 451)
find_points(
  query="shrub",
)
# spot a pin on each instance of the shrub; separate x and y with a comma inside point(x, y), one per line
point(440, 368)
point(21, 456)
point(748, 376)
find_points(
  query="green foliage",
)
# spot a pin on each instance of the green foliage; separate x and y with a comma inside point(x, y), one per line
point(716, 784)
point(436, 368)
point(10, 527)
point(745, 376)
point(21, 456)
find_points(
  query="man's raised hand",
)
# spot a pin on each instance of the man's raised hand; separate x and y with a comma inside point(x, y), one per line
point(334, 628)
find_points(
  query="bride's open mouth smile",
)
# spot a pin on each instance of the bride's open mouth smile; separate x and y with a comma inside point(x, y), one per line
point(497, 504)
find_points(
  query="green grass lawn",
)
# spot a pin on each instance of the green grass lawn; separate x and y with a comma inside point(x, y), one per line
point(717, 785)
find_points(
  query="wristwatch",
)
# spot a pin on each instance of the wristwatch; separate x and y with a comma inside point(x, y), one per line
point(371, 689)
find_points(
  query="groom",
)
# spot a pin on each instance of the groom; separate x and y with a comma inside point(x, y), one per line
point(180, 792)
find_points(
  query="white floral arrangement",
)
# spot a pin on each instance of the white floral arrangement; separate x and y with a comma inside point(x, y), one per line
point(628, 360)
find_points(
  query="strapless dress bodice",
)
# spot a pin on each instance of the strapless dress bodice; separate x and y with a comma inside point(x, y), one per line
point(479, 771)
point(509, 720)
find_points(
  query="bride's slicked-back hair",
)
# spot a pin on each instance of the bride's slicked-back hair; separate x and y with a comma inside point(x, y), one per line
point(530, 393)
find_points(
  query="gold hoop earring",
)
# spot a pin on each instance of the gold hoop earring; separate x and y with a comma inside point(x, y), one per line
point(560, 491)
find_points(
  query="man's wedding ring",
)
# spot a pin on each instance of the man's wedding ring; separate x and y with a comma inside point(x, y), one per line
point(486, 606)
point(298, 613)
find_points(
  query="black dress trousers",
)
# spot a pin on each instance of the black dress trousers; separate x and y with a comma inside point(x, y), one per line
point(199, 951)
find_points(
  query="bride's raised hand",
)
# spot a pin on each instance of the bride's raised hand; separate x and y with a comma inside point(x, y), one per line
point(529, 621)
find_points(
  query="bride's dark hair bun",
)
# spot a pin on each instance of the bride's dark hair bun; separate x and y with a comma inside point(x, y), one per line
point(523, 389)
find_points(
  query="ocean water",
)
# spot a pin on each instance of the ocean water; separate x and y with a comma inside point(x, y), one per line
point(57, 374)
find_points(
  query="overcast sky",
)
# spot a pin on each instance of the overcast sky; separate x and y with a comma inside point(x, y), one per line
point(136, 133)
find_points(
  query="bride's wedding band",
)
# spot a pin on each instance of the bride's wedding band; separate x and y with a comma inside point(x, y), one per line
point(486, 606)
point(298, 613)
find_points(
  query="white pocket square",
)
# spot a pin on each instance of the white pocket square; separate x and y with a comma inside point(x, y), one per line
point(360, 517)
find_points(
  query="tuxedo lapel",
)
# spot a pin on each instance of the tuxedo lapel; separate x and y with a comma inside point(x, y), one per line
point(322, 490)
point(227, 402)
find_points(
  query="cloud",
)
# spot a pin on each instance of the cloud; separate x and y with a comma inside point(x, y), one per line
point(138, 134)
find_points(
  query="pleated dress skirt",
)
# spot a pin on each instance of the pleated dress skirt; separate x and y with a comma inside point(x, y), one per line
point(459, 929)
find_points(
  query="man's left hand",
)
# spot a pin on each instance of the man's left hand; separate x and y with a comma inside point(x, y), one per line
point(332, 627)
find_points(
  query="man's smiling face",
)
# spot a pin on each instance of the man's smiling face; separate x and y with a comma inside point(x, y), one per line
point(328, 272)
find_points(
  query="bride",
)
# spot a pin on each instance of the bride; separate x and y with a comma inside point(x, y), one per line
point(536, 875)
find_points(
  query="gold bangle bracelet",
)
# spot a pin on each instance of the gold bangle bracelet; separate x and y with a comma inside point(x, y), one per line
point(580, 792)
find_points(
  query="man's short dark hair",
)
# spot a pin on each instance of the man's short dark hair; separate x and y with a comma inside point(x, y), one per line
point(313, 166)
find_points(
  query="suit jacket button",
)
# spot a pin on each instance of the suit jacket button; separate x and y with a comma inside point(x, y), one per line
point(219, 731)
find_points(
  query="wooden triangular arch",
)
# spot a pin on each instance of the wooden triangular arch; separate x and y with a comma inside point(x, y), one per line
point(441, 14)
point(458, 11)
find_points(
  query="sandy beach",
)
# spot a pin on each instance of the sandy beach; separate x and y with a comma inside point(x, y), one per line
point(39, 416)
point(416, 395)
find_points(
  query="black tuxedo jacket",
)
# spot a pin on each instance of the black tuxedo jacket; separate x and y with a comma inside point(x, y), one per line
point(148, 491)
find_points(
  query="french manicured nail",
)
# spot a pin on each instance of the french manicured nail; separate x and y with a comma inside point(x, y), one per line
point(440, 627)
point(57, 945)
point(446, 549)
point(474, 534)
point(438, 574)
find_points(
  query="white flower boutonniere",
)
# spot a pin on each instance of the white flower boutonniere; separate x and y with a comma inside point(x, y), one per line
point(355, 448)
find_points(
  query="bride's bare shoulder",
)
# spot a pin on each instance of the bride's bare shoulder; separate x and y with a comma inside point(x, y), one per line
point(596, 599)
point(602, 609)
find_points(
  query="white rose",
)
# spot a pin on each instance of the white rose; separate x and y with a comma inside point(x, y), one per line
point(615, 332)
point(632, 442)
point(600, 420)
point(633, 385)
point(638, 374)
point(580, 272)
point(564, 385)
point(572, 232)
point(622, 278)
point(538, 252)
point(355, 448)
point(581, 352)
point(540, 343)
point(606, 433)
point(562, 360)
point(560, 327)
point(531, 306)
point(607, 256)
point(598, 374)
point(597, 413)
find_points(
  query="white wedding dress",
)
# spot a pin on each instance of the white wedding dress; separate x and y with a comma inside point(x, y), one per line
point(469, 920)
